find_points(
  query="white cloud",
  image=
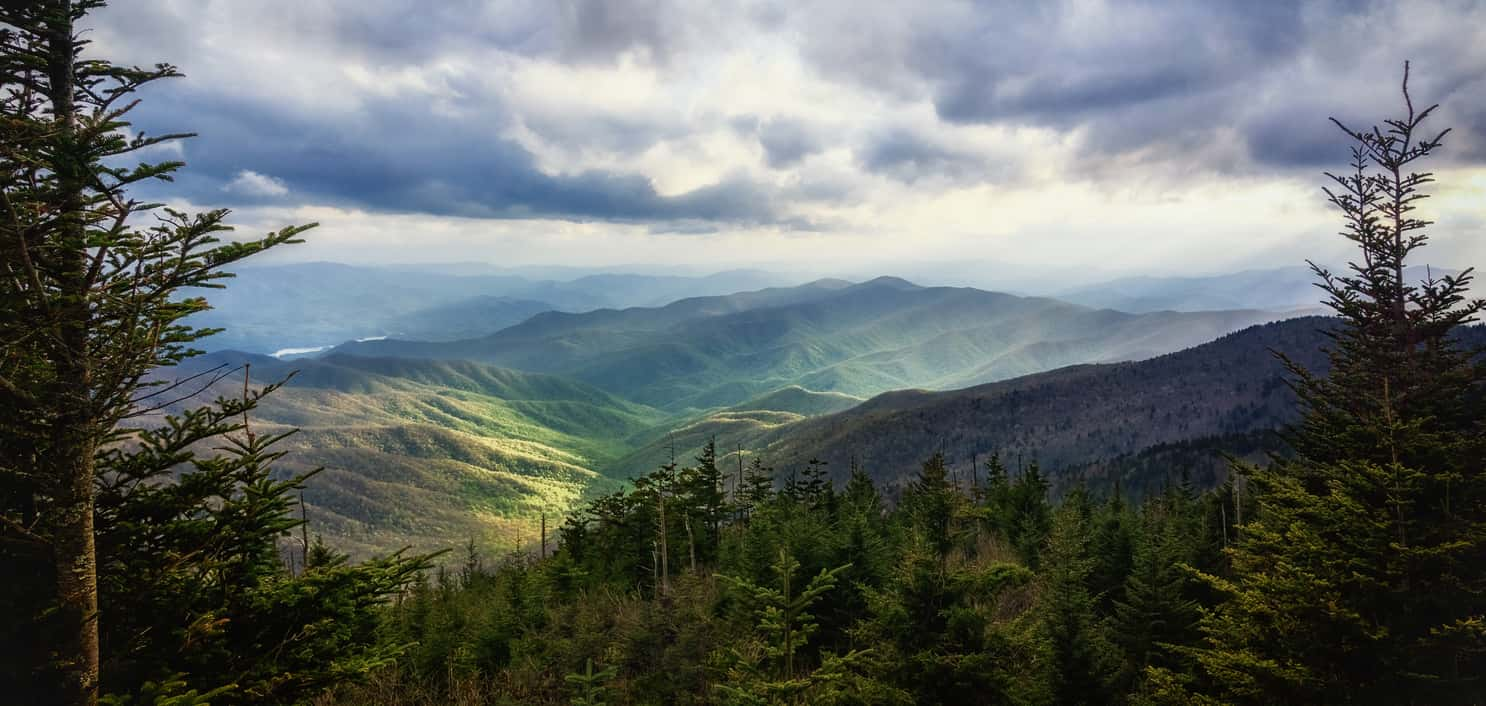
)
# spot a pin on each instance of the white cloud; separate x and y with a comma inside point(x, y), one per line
point(253, 184)
point(957, 129)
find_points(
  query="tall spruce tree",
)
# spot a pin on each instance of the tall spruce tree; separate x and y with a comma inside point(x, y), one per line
point(135, 560)
point(1079, 660)
point(775, 673)
point(705, 505)
point(90, 299)
point(933, 505)
point(1362, 579)
point(1155, 615)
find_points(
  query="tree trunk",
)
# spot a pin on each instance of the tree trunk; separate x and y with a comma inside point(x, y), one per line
point(77, 575)
point(691, 542)
point(665, 565)
point(73, 437)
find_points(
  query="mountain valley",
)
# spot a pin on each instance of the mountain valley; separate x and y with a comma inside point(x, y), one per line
point(432, 443)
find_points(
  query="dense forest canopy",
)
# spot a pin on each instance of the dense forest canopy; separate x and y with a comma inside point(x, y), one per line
point(157, 553)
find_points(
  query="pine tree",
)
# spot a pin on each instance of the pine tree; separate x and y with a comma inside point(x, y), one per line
point(776, 675)
point(1079, 659)
point(758, 484)
point(590, 687)
point(1112, 547)
point(933, 505)
point(700, 488)
point(91, 302)
point(1155, 613)
point(1363, 575)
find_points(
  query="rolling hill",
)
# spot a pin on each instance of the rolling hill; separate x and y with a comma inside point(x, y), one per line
point(433, 453)
point(1088, 419)
point(856, 339)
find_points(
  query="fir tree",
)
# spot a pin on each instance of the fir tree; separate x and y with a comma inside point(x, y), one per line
point(1361, 579)
point(1155, 613)
point(776, 675)
point(162, 575)
point(933, 505)
point(758, 484)
point(700, 488)
point(815, 484)
point(1079, 659)
point(589, 687)
point(91, 301)
point(1028, 516)
point(1112, 546)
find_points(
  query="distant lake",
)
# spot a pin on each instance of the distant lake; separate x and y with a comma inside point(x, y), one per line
point(282, 352)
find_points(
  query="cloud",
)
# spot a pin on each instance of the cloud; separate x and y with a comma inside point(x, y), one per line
point(786, 142)
point(250, 183)
point(908, 156)
point(1165, 79)
point(396, 156)
point(937, 124)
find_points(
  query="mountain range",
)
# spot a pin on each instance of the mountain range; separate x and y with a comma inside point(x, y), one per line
point(827, 336)
point(317, 305)
point(1092, 422)
point(508, 410)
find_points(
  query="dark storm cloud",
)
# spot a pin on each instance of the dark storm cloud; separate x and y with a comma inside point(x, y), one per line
point(1217, 86)
point(397, 153)
point(1172, 76)
point(909, 157)
point(400, 157)
point(603, 29)
point(786, 142)
point(1062, 67)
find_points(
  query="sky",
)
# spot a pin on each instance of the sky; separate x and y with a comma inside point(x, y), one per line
point(1157, 137)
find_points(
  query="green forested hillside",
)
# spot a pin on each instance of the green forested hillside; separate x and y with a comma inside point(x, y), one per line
point(434, 453)
point(859, 340)
point(799, 400)
point(1232, 385)
point(1067, 416)
point(1228, 389)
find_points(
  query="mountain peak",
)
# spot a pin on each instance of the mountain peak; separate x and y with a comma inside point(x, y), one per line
point(889, 281)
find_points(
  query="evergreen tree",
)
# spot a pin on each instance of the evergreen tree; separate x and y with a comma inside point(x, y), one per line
point(589, 687)
point(815, 484)
point(91, 302)
point(758, 484)
point(1079, 659)
point(1155, 613)
point(657, 492)
point(775, 674)
point(861, 495)
point(1112, 547)
point(1361, 578)
point(148, 569)
point(700, 488)
point(1029, 516)
point(933, 504)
